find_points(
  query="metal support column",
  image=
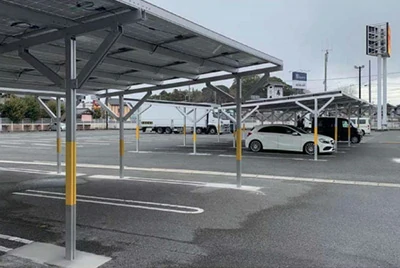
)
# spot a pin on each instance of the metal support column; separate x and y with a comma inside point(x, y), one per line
point(336, 126)
point(138, 123)
point(316, 112)
point(379, 94)
point(70, 148)
point(58, 120)
point(106, 114)
point(194, 131)
point(384, 94)
point(184, 126)
point(121, 136)
point(219, 125)
point(238, 132)
point(349, 126)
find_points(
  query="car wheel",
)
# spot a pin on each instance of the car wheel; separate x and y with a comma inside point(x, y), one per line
point(168, 130)
point(160, 130)
point(199, 130)
point(355, 139)
point(309, 148)
point(255, 146)
point(363, 132)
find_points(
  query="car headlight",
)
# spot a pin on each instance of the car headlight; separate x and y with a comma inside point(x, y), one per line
point(324, 141)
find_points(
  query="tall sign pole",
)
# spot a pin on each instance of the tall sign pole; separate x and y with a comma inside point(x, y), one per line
point(378, 44)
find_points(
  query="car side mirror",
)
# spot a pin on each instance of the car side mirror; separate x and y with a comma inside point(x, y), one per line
point(295, 134)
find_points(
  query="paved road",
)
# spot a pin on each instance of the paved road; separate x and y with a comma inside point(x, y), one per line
point(179, 219)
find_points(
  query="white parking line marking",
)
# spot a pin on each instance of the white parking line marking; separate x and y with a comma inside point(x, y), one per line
point(217, 173)
point(24, 147)
point(273, 157)
point(36, 171)
point(179, 182)
point(397, 160)
point(112, 202)
point(4, 249)
point(45, 144)
point(15, 239)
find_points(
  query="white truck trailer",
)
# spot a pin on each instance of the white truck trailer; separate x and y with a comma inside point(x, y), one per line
point(168, 117)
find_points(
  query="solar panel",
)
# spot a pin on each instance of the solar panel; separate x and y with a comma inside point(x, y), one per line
point(161, 47)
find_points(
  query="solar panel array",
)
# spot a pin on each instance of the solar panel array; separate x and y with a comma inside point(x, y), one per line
point(151, 51)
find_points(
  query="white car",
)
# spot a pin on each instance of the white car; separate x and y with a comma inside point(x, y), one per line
point(53, 126)
point(363, 124)
point(286, 138)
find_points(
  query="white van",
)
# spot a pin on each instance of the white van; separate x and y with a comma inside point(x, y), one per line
point(363, 124)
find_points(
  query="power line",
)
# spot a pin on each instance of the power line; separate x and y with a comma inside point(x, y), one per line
point(343, 78)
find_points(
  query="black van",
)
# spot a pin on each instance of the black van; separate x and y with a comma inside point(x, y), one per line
point(326, 126)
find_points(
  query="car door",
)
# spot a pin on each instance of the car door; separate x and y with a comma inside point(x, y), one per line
point(268, 138)
point(286, 140)
point(343, 130)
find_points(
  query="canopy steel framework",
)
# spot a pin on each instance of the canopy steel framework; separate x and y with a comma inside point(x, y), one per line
point(315, 103)
point(86, 46)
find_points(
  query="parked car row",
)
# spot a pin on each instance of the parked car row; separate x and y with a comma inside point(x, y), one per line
point(291, 138)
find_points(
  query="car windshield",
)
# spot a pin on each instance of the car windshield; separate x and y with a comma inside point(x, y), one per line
point(302, 131)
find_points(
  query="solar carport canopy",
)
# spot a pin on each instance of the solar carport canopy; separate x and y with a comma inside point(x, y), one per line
point(329, 98)
point(119, 43)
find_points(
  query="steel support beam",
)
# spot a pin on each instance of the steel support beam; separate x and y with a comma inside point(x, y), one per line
point(137, 105)
point(142, 45)
point(70, 151)
point(46, 108)
point(336, 127)
point(100, 24)
point(195, 132)
point(348, 127)
point(219, 91)
point(83, 55)
point(58, 147)
point(305, 107)
point(41, 93)
point(238, 132)
point(194, 82)
point(261, 83)
point(316, 113)
point(99, 55)
point(108, 110)
point(250, 113)
point(121, 136)
point(184, 125)
point(204, 115)
point(229, 116)
point(326, 105)
point(41, 67)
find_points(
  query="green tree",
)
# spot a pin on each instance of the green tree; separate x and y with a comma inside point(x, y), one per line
point(15, 108)
point(32, 111)
point(52, 104)
point(97, 114)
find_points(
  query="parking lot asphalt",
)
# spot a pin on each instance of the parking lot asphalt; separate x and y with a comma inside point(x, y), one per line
point(341, 211)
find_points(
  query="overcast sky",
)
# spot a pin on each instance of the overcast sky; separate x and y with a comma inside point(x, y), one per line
point(298, 32)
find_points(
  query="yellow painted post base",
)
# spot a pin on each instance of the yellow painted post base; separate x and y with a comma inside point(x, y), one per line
point(70, 173)
point(121, 147)
point(239, 144)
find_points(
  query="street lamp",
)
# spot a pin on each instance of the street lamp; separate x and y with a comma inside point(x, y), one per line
point(359, 87)
point(359, 78)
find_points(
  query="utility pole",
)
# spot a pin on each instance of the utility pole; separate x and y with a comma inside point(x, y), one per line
point(326, 70)
point(359, 86)
point(359, 79)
